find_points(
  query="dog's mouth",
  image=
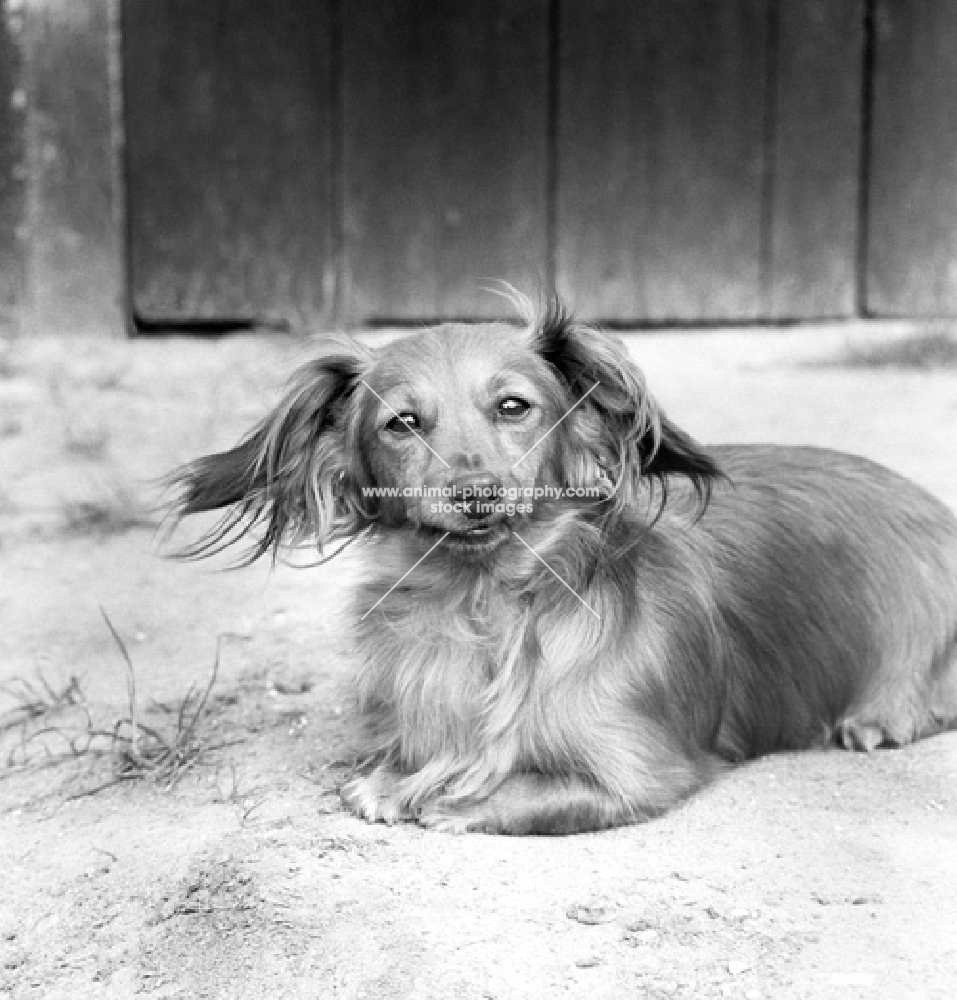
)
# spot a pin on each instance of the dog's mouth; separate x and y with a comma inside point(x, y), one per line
point(477, 540)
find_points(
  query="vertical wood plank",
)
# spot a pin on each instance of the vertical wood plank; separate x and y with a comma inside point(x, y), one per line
point(811, 270)
point(228, 111)
point(912, 221)
point(660, 158)
point(445, 154)
point(76, 264)
point(13, 172)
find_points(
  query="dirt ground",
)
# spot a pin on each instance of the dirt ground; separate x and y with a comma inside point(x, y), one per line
point(813, 875)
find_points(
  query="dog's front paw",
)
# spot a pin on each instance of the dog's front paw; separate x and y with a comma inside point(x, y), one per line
point(375, 798)
point(469, 819)
point(853, 734)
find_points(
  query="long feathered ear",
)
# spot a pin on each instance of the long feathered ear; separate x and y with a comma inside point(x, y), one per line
point(631, 437)
point(294, 477)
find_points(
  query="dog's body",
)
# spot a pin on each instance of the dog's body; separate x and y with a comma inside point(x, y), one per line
point(583, 663)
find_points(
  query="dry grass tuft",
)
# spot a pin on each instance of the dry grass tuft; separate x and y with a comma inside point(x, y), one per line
point(36, 699)
point(55, 725)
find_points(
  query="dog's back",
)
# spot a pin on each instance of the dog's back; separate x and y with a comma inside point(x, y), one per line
point(837, 581)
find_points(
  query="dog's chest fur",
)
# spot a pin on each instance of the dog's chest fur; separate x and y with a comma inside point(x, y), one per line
point(490, 676)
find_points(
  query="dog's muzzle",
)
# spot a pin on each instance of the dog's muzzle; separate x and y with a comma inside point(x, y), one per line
point(476, 491)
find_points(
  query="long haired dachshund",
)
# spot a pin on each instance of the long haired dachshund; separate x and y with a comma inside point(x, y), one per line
point(578, 614)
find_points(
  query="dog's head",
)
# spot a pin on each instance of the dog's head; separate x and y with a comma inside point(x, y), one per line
point(459, 433)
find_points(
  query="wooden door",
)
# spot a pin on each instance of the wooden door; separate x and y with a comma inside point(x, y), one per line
point(446, 123)
point(813, 196)
point(912, 198)
point(692, 161)
point(12, 175)
point(229, 179)
point(708, 158)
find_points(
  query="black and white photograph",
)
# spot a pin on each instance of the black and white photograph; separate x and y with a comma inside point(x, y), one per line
point(478, 499)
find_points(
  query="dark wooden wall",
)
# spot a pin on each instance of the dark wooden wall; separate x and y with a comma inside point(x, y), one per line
point(709, 158)
point(229, 174)
point(352, 161)
point(813, 193)
point(445, 126)
point(673, 160)
point(912, 264)
point(76, 270)
point(61, 251)
point(661, 157)
point(12, 167)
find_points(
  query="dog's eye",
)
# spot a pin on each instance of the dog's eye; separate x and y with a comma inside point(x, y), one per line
point(404, 423)
point(513, 408)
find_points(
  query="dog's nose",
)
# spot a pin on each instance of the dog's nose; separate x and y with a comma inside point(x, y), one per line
point(479, 487)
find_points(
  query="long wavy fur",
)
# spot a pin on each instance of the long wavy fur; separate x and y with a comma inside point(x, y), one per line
point(292, 479)
point(593, 660)
point(637, 441)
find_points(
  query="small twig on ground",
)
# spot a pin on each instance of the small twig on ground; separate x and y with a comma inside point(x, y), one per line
point(248, 801)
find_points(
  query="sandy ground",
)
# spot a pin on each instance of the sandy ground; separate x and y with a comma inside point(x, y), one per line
point(813, 875)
